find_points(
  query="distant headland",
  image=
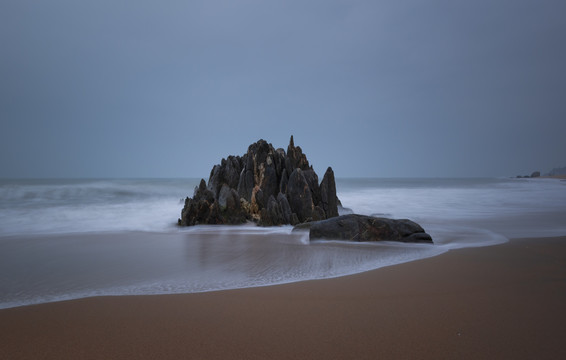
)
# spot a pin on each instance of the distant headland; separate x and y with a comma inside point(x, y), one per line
point(554, 173)
point(557, 172)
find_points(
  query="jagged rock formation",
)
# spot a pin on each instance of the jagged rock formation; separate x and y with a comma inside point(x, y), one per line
point(266, 185)
point(534, 174)
point(355, 227)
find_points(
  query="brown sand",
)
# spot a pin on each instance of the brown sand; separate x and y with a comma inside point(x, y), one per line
point(500, 302)
point(554, 177)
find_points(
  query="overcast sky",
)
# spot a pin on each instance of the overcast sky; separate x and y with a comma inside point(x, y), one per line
point(112, 88)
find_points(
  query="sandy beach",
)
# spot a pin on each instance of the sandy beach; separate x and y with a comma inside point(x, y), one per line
point(504, 301)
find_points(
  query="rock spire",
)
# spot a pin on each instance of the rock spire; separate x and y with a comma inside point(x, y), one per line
point(265, 185)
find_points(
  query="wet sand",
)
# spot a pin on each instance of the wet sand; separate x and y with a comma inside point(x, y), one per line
point(554, 177)
point(504, 301)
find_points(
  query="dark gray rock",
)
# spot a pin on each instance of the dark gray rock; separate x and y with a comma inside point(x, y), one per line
point(329, 200)
point(232, 171)
point(246, 184)
point(264, 182)
point(197, 210)
point(295, 158)
point(215, 179)
point(294, 219)
point(318, 214)
point(312, 181)
point(225, 198)
point(279, 161)
point(366, 228)
point(269, 184)
point(227, 172)
point(299, 195)
point(258, 198)
point(284, 181)
point(203, 208)
point(230, 205)
point(203, 193)
point(271, 214)
point(286, 212)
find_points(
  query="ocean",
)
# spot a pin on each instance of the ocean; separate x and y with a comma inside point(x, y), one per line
point(69, 239)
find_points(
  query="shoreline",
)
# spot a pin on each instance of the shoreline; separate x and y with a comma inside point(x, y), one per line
point(560, 177)
point(499, 301)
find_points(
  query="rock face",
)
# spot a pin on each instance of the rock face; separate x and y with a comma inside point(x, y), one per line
point(266, 185)
point(204, 208)
point(354, 227)
point(327, 191)
point(534, 174)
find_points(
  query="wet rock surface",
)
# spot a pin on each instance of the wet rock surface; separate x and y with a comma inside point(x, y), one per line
point(358, 228)
point(272, 187)
point(265, 185)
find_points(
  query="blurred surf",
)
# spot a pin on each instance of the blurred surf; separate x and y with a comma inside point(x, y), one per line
point(67, 239)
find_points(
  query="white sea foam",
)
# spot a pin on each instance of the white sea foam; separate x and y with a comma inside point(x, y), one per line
point(513, 207)
point(71, 239)
point(71, 206)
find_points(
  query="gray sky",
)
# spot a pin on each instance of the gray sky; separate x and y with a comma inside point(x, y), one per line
point(112, 88)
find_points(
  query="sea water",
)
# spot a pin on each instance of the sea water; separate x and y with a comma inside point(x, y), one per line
point(68, 239)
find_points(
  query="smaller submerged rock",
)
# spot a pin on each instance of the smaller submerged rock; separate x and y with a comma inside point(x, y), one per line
point(354, 227)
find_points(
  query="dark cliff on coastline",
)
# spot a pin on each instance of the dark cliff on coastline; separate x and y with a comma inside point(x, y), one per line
point(265, 185)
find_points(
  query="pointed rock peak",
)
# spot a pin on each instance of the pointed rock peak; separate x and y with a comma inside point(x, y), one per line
point(243, 188)
point(202, 185)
